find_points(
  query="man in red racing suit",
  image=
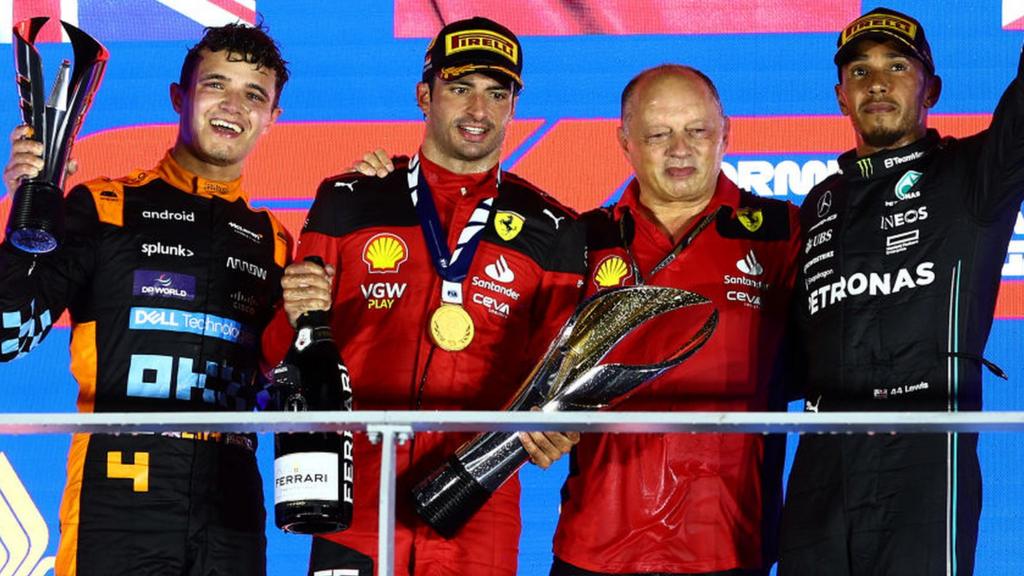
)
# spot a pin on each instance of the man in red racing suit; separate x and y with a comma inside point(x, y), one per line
point(685, 503)
point(521, 284)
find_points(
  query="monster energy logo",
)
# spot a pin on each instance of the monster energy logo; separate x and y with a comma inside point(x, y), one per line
point(866, 167)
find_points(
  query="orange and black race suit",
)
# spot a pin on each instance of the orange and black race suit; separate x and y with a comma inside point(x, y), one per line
point(524, 280)
point(169, 280)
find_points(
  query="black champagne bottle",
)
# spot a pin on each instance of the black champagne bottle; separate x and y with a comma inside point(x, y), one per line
point(313, 472)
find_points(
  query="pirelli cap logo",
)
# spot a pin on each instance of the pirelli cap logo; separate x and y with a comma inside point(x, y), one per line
point(464, 40)
point(385, 253)
point(880, 23)
point(611, 272)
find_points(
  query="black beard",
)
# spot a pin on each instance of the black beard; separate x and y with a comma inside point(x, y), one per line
point(882, 138)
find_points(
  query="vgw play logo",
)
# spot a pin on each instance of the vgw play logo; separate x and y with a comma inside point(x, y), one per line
point(24, 536)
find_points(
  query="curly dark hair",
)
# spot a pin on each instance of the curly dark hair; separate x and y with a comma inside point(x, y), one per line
point(251, 44)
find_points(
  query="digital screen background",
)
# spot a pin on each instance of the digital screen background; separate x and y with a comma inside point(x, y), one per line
point(354, 66)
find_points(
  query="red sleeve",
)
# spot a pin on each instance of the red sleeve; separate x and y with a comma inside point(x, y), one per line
point(561, 289)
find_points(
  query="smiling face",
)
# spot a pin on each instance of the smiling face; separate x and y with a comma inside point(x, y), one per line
point(465, 121)
point(886, 94)
point(226, 107)
point(674, 134)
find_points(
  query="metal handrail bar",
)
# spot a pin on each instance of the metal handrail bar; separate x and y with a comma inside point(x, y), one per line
point(395, 427)
point(456, 421)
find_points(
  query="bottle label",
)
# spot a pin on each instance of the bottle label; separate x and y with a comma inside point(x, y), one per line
point(306, 476)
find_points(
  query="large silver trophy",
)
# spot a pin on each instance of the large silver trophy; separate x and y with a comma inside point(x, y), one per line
point(36, 222)
point(569, 378)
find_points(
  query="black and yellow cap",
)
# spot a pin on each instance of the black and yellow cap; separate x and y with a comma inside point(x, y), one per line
point(886, 24)
point(475, 45)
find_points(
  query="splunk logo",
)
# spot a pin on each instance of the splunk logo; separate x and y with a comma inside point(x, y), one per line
point(158, 248)
point(871, 284)
point(23, 533)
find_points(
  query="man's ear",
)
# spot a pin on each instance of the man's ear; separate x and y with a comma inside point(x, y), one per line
point(933, 91)
point(623, 139)
point(423, 97)
point(841, 99)
point(273, 118)
point(176, 96)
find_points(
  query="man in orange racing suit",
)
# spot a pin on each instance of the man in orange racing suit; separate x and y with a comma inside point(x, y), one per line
point(169, 276)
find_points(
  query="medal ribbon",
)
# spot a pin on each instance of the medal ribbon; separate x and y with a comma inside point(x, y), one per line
point(452, 266)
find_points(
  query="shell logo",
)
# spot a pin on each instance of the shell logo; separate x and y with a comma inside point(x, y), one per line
point(385, 253)
point(611, 272)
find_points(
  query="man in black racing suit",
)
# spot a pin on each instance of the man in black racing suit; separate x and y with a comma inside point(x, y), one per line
point(169, 276)
point(900, 270)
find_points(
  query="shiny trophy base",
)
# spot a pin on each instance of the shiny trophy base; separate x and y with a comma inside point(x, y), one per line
point(36, 222)
point(463, 496)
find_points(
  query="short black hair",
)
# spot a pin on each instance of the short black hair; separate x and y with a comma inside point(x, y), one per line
point(251, 44)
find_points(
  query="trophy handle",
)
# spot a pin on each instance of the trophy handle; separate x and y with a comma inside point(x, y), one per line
point(29, 68)
point(90, 63)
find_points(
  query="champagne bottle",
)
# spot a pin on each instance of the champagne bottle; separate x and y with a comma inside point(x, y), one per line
point(313, 472)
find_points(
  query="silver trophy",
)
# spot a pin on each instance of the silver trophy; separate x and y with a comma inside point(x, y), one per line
point(36, 221)
point(569, 378)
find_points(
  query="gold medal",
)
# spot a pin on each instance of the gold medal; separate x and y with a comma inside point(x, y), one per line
point(451, 327)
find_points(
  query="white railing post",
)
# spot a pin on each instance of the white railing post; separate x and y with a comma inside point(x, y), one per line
point(387, 435)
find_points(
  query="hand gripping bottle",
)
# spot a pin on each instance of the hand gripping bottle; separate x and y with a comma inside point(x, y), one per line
point(313, 472)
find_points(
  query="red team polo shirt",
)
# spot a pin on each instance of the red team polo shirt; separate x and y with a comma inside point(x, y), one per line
point(689, 503)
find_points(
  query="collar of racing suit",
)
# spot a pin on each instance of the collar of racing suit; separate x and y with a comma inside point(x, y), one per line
point(886, 162)
point(726, 194)
point(446, 187)
point(176, 175)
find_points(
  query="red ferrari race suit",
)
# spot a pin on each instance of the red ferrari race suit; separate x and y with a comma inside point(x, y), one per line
point(524, 280)
point(169, 279)
point(688, 503)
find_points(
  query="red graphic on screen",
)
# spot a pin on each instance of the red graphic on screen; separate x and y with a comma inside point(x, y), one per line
point(1013, 15)
point(282, 172)
point(23, 9)
point(423, 18)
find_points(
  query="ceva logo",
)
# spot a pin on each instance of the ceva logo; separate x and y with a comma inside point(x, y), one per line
point(23, 532)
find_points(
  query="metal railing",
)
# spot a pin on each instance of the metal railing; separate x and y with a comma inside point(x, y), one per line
point(390, 428)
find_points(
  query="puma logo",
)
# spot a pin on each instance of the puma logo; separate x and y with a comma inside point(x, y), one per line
point(350, 185)
point(556, 219)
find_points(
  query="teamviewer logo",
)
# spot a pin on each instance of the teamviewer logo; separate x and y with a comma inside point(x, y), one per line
point(749, 265)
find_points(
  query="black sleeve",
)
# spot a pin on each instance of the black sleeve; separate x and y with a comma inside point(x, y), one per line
point(36, 288)
point(999, 184)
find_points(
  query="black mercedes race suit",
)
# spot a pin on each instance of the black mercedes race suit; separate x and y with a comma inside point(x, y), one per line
point(169, 279)
point(900, 270)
